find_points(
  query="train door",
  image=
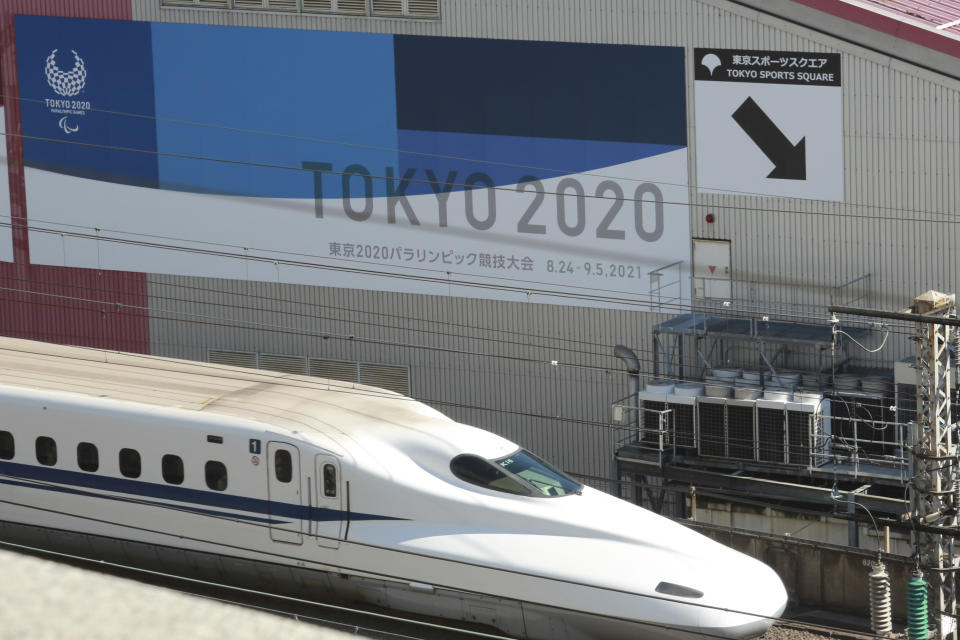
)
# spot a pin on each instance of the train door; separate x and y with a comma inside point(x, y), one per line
point(283, 487)
point(329, 512)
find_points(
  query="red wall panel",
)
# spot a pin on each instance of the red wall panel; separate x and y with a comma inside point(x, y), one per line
point(85, 307)
point(74, 306)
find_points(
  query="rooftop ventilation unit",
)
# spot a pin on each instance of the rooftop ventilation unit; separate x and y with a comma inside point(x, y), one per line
point(712, 420)
point(741, 429)
point(793, 432)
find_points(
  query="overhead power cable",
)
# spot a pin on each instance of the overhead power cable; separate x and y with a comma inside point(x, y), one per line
point(943, 218)
point(877, 404)
point(275, 327)
point(347, 315)
point(607, 297)
point(293, 330)
point(275, 378)
point(435, 276)
point(219, 321)
point(560, 172)
point(444, 276)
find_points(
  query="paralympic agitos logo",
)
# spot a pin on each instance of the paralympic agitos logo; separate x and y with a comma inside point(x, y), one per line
point(67, 84)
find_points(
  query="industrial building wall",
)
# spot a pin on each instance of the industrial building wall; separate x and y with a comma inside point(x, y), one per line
point(491, 362)
point(900, 127)
point(488, 362)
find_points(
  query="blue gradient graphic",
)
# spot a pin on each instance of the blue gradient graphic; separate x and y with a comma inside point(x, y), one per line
point(509, 159)
point(117, 56)
point(562, 90)
point(245, 111)
point(299, 84)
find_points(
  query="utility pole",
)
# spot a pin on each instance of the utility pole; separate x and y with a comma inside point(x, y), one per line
point(934, 489)
point(934, 486)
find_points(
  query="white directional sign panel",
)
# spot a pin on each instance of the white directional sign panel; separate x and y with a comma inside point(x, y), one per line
point(769, 123)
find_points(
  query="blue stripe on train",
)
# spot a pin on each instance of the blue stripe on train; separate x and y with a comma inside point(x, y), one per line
point(90, 494)
point(141, 489)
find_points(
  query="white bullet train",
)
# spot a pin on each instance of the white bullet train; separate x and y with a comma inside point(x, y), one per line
point(344, 491)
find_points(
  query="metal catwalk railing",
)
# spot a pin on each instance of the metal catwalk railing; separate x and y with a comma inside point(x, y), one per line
point(760, 432)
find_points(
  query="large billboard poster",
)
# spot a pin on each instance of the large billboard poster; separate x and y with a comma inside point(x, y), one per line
point(544, 171)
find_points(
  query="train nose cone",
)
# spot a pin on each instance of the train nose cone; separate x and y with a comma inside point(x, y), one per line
point(753, 600)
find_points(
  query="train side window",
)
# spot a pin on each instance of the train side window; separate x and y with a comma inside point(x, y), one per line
point(46, 451)
point(130, 463)
point(172, 468)
point(6, 445)
point(283, 465)
point(216, 473)
point(88, 458)
point(329, 481)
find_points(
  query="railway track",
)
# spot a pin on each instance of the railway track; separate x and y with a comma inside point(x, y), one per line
point(369, 622)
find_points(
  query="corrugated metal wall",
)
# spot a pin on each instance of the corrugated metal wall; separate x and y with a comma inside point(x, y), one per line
point(486, 363)
point(898, 223)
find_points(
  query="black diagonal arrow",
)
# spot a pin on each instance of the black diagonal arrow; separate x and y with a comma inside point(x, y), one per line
point(790, 160)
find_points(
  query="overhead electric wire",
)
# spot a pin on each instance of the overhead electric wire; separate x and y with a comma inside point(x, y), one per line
point(356, 145)
point(330, 385)
point(521, 286)
point(114, 304)
point(527, 340)
point(219, 321)
point(738, 313)
point(206, 319)
point(272, 377)
point(267, 376)
point(867, 349)
point(439, 276)
point(706, 188)
point(624, 299)
point(950, 218)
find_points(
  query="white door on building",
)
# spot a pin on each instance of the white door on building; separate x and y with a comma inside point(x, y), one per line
point(283, 489)
point(711, 269)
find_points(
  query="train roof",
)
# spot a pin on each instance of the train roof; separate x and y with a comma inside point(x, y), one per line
point(300, 404)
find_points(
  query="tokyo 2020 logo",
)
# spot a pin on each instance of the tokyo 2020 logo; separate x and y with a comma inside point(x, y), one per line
point(66, 83)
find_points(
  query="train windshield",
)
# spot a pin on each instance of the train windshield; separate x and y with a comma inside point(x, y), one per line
point(540, 475)
point(481, 472)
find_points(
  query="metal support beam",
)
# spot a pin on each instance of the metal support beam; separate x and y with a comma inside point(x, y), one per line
point(896, 315)
point(758, 488)
point(933, 470)
point(934, 484)
point(853, 527)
